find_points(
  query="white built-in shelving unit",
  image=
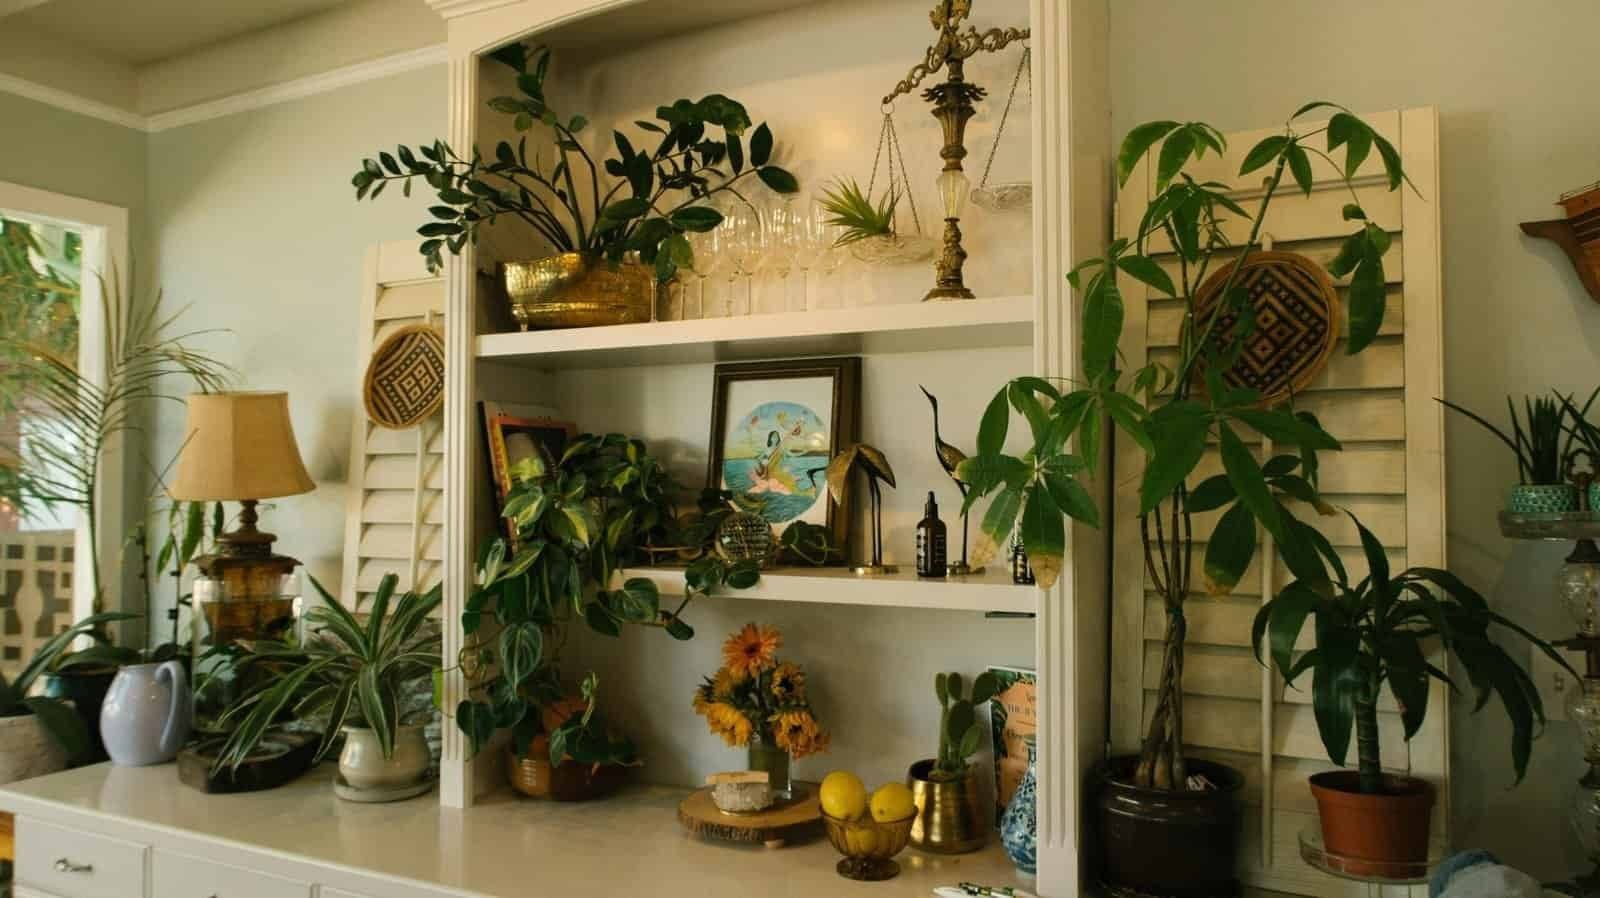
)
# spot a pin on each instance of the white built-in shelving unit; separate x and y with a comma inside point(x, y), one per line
point(815, 71)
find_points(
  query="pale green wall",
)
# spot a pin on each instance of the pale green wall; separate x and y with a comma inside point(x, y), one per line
point(1515, 88)
point(52, 149)
point(257, 227)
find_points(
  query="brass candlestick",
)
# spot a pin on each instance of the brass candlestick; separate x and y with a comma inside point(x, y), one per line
point(953, 106)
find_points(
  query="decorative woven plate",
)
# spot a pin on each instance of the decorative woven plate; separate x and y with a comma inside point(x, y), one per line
point(404, 385)
point(1297, 323)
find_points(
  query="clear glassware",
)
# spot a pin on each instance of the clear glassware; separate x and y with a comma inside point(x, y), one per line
point(708, 263)
point(830, 261)
point(812, 242)
point(744, 253)
point(779, 245)
point(1578, 587)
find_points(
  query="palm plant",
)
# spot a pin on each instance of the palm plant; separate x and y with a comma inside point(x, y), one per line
point(353, 675)
point(1374, 632)
point(1541, 439)
point(58, 717)
point(855, 214)
point(69, 419)
point(1172, 413)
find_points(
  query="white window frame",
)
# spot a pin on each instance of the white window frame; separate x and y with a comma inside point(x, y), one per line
point(104, 229)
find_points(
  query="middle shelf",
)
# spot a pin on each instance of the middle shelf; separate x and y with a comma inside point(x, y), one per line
point(989, 591)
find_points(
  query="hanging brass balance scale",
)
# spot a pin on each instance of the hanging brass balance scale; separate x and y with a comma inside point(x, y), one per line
point(953, 101)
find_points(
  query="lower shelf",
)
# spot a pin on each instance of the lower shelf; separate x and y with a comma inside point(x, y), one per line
point(989, 591)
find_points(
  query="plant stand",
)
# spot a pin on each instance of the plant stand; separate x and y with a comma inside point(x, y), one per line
point(1315, 853)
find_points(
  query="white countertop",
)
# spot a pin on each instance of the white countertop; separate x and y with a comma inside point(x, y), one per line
point(630, 844)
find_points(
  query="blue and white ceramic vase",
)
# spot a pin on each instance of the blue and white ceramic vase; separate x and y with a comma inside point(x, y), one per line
point(1543, 498)
point(1019, 827)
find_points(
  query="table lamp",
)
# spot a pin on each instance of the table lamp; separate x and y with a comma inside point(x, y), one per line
point(240, 447)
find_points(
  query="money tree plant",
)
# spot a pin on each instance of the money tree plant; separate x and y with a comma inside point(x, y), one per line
point(1172, 412)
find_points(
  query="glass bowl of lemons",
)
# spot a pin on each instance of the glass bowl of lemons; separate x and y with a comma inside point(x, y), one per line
point(868, 830)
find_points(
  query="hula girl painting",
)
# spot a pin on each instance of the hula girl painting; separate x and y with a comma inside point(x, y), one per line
point(776, 459)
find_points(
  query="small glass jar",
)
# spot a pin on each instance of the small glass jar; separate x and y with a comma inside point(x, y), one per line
point(764, 755)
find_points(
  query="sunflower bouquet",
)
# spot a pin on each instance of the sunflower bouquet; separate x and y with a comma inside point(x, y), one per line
point(756, 696)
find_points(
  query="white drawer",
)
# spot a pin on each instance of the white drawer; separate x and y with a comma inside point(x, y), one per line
point(329, 892)
point(181, 876)
point(77, 864)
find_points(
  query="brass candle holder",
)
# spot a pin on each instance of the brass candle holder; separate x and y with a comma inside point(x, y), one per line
point(953, 105)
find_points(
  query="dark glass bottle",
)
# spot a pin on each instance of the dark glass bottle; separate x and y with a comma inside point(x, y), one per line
point(931, 545)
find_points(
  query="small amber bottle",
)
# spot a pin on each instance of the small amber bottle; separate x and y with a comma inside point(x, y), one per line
point(931, 545)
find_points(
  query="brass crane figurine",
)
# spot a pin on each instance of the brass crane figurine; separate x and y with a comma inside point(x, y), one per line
point(875, 465)
point(949, 458)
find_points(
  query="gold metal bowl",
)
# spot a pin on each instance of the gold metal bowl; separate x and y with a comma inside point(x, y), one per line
point(868, 846)
point(578, 290)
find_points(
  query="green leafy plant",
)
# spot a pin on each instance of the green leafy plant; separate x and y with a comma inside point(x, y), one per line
point(40, 288)
point(580, 521)
point(586, 738)
point(1379, 632)
point(71, 419)
point(1541, 440)
point(58, 717)
point(960, 732)
point(807, 543)
point(346, 672)
point(855, 212)
point(700, 151)
point(1173, 412)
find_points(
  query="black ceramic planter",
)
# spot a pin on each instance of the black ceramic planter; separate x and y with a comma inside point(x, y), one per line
point(1158, 844)
point(87, 692)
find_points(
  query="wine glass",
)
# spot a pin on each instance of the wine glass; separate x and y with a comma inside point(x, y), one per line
point(743, 250)
point(708, 262)
point(832, 258)
point(812, 242)
point(779, 235)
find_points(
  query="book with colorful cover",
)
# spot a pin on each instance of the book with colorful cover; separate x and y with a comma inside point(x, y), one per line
point(1013, 715)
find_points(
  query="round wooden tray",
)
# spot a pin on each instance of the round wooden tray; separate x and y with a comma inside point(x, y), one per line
point(797, 818)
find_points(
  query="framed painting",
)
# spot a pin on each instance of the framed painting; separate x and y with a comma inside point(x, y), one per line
point(774, 427)
point(510, 438)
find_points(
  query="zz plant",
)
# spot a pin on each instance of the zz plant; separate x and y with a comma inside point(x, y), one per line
point(1379, 631)
point(579, 520)
point(1173, 412)
point(655, 196)
point(960, 733)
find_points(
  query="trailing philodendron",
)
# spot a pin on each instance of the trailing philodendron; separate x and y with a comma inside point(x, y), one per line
point(960, 732)
point(656, 195)
point(345, 673)
point(1542, 440)
point(1383, 631)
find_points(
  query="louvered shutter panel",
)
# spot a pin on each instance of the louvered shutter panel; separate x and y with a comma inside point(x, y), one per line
point(397, 291)
point(1380, 405)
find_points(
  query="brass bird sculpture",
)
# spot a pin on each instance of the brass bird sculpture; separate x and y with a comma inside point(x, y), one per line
point(873, 463)
point(950, 458)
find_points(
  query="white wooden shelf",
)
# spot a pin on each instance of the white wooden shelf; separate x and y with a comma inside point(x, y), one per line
point(906, 327)
point(989, 591)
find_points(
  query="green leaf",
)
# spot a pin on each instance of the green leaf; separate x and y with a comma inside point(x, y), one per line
point(621, 211)
point(743, 575)
point(476, 719)
point(1024, 401)
point(1043, 535)
point(1177, 149)
point(778, 179)
point(1179, 432)
point(1102, 324)
point(1367, 301)
point(1281, 426)
point(994, 424)
point(1391, 161)
point(995, 530)
point(521, 650)
point(1408, 679)
point(600, 620)
point(1352, 212)
point(1130, 416)
point(1335, 683)
point(1136, 144)
point(63, 724)
point(1245, 475)
point(760, 145)
point(1262, 153)
point(735, 153)
point(1229, 549)
point(677, 629)
point(1358, 141)
point(696, 218)
point(1212, 493)
point(639, 601)
point(1300, 168)
point(1146, 270)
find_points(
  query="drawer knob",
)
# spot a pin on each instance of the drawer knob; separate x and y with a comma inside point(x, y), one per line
point(65, 866)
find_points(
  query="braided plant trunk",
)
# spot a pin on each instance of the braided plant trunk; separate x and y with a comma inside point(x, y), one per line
point(1167, 556)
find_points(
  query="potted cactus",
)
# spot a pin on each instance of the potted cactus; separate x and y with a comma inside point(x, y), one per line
point(945, 788)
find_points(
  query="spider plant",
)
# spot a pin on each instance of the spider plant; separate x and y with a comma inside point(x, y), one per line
point(1541, 440)
point(853, 211)
point(349, 673)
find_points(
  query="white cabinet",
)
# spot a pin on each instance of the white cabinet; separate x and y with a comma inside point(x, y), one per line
point(74, 863)
point(181, 876)
point(326, 892)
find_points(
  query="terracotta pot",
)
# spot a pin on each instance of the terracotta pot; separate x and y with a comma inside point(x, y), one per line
point(949, 816)
point(535, 777)
point(1169, 844)
point(1384, 829)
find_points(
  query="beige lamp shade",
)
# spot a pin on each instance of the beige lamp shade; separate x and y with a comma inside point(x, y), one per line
point(239, 446)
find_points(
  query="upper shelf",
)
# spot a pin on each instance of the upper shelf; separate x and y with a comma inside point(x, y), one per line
point(907, 327)
point(989, 591)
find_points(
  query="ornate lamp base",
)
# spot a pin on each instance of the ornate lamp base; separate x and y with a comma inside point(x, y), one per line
point(944, 294)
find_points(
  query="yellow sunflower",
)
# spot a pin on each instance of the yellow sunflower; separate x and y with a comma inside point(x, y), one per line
point(750, 651)
point(728, 722)
point(789, 684)
point(798, 733)
point(722, 684)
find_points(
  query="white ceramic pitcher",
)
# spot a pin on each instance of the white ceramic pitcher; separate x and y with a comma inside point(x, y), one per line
point(147, 714)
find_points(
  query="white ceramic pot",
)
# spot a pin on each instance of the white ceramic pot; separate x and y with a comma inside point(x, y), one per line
point(147, 714)
point(363, 765)
point(27, 749)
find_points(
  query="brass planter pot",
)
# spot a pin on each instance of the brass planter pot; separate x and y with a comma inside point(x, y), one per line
point(578, 290)
point(536, 777)
point(949, 819)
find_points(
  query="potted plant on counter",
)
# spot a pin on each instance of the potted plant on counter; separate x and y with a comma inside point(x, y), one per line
point(349, 677)
point(1380, 632)
point(1160, 801)
point(594, 229)
point(41, 734)
point(579, 755)
point(580, 520)
point(944, 788)
point(1542, 442)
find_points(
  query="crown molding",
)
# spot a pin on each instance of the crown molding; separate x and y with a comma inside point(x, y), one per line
point(296, 89)
point(71, 102)
point(453, 9)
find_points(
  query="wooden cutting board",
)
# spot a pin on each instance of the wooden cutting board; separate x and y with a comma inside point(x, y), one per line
point(794, 820)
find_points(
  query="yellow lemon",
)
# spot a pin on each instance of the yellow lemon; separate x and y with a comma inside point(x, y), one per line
point(843, 796)
point(892, 801)
point(862, 842)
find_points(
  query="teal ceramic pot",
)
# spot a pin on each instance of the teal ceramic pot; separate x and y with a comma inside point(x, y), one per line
point(1543, 498)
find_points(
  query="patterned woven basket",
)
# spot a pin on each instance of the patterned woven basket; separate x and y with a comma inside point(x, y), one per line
point(404, 385)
